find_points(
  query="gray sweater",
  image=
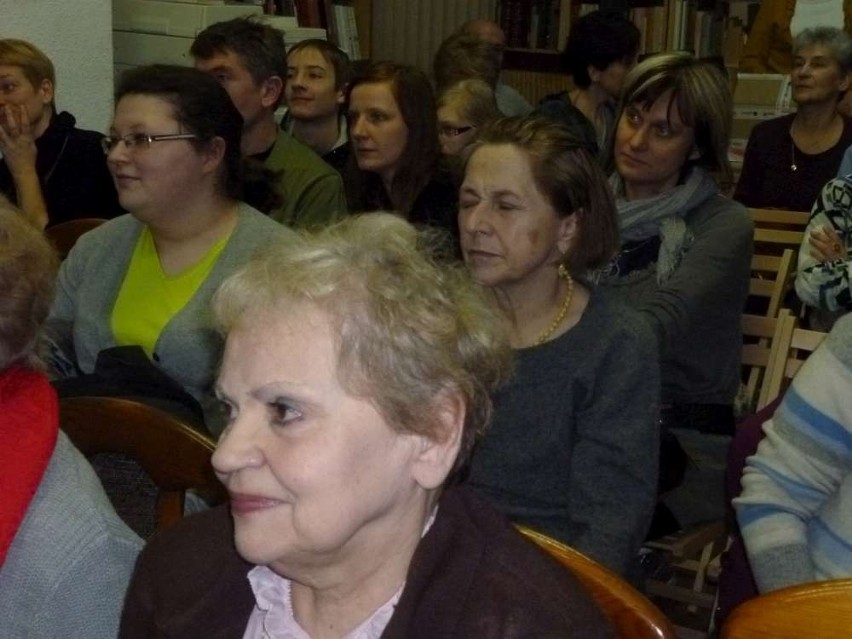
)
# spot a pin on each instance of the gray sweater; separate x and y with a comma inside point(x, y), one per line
point(573, 447)
point(70, 562)
point(189, 348)
point(696, 314)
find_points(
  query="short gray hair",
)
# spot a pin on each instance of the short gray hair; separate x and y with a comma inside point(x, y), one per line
point(836, 40)
point(28, 267)
point(411, 325)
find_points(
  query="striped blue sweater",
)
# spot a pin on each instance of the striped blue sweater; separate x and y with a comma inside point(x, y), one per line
point(795, 510)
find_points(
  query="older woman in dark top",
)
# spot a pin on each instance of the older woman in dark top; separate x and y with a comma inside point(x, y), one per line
point(356, 375)
point(573, 449)
point(790, 158)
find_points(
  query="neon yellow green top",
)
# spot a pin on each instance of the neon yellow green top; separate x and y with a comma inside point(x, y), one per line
point(149, 299)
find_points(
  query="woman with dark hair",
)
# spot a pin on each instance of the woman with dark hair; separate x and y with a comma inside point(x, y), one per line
point(394, 133)
point(143, 281)
point(601, 48)
point(573, 447)
point(789, 159)
point(686, 253)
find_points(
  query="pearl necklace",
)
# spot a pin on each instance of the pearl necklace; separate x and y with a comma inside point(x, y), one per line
point(563, 310)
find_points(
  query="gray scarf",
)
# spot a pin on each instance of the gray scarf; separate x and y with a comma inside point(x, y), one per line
point(663, 215)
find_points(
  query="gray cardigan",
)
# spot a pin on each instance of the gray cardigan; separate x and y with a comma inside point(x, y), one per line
point(189, 348)
point(69, 565)
point(573, 447)
point(696, 315)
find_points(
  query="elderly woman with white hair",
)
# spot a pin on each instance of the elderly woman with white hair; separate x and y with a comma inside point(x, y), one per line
point(65, 556)
point(357, 373)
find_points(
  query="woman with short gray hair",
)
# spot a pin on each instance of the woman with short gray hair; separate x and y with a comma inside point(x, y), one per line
point(789, 159)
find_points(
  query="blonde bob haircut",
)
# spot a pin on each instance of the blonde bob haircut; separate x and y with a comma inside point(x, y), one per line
point(411, 327)
point(473, 99)
point(570, 179)
point(703, 98)
point(34, 64)
point(28, 266)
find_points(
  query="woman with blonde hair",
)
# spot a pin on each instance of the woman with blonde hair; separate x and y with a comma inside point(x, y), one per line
point(464, 109)
point(573, 448)
point(686, 249)
point(356, 377)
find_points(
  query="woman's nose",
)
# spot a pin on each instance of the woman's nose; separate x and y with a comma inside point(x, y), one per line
point(357, 128)
point(639, 138)
point(237, 448)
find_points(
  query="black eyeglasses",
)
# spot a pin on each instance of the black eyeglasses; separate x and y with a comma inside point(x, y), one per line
point(454, 131)
point(140, 140)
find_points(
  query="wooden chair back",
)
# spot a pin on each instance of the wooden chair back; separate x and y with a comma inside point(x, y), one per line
point(764, 340)
point(65, 235)
point(789, 360)
point(770, 279)
point(173, 454)
point(632, 614)
point(775, 230)
point(821, 609)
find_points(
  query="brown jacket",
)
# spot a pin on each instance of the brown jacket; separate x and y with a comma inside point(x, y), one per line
point(769, 48)
point(472, 575)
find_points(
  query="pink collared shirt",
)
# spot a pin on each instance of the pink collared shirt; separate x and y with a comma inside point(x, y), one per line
point(273, 618)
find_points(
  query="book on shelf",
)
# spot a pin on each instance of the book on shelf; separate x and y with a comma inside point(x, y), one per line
point(535, 24)
point(343, 27)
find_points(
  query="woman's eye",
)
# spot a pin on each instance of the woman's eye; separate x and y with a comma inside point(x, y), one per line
point(283, 413)
point(664, 131)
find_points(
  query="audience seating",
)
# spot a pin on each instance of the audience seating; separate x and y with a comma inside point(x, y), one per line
point(633, 616)
point(765, 340)
point(65, 235)
point(775, 230)
point(174, 455)
point(820, 609)
point(789, 359)
point(770, 279)
point(693, 553)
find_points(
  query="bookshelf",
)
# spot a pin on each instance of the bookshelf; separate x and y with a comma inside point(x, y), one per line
point(347, 22)
point(536, 30)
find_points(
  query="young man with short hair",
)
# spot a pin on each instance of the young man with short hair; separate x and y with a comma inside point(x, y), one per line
point(249, 59)
point(317, 76)
point(52, 170)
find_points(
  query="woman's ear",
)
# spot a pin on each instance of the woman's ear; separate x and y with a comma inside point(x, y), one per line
point(214, 154)
point(437, 452)
point(567, 231)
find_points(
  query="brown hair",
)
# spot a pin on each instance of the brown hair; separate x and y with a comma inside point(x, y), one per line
point(462, 57)
point(571, 180)
point(413, 95)
point(27, 275)
point(335, 56)
point(703, 99)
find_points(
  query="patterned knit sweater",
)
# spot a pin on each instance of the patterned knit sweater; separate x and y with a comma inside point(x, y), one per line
point(795, 510)
point(825, 285)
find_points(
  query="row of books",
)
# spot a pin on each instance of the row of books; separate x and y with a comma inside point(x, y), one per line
point(341, 23)
point(535, 24)
point(676, 25)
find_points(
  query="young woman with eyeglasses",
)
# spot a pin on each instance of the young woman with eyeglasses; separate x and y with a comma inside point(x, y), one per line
point(145, 280)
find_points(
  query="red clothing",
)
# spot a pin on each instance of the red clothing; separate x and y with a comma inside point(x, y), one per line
point(29, 424)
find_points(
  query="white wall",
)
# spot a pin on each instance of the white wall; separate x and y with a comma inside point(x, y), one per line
point(77, 36)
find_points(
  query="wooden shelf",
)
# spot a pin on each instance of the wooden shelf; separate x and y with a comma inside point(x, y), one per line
point(534, 59)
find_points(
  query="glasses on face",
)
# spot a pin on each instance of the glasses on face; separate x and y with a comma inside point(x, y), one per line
point(141, 140)
point(453, 131)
